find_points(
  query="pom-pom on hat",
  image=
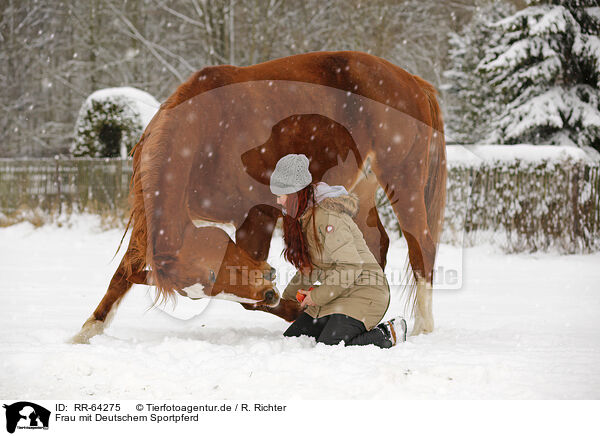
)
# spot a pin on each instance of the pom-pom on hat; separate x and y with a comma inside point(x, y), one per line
point(291, 174)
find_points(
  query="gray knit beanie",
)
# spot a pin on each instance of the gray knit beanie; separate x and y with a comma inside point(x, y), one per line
point(291, 174)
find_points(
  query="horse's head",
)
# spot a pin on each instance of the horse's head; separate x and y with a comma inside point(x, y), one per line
point(210, 264)
point(249, 280)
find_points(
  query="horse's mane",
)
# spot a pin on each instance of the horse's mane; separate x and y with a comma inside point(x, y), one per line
point(152, 151)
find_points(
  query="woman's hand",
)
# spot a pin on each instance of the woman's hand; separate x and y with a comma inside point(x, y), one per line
point(307, 300)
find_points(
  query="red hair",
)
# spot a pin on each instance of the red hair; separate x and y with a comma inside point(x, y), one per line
point(296, 245)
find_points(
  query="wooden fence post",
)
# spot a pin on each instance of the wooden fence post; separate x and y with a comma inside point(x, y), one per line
point(57, 175)
point(575, 201)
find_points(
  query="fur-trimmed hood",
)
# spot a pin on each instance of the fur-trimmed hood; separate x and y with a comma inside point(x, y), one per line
point(347, 204)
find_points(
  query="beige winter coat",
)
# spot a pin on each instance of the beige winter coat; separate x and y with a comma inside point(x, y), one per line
point(352, 282)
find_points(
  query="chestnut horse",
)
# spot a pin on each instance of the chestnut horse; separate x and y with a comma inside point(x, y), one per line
point(209, 152)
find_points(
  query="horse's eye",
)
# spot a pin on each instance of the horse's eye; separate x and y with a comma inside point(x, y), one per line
point(212, 277)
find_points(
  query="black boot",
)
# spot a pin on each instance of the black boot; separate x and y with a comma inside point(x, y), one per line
point(394, 330)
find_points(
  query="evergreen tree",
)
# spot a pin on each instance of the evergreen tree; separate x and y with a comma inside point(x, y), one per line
point(544, 67)
point(468, 94)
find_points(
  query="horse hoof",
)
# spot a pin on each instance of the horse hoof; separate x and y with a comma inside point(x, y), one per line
point(79, 339)
point(91, 328)
point(422, 327)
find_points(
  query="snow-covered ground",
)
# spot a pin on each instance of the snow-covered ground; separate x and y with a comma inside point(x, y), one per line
point(521, 327)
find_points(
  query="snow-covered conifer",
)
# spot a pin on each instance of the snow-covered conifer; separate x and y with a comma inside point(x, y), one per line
point(545, 72)
point(468, 102)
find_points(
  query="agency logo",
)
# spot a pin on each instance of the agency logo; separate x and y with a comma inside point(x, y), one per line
point(26, 415)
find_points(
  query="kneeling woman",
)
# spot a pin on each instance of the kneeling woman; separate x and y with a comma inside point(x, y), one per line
point(324, 243)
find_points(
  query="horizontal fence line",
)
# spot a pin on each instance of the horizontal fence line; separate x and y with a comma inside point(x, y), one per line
point(81, 184)
point(534, 205)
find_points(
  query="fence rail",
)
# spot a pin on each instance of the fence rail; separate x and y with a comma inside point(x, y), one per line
point(532, 205)
point(81, 184)
point(529, 207)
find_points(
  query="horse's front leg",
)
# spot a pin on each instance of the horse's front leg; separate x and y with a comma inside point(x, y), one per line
point(118, 287)
point(286, 309)
point(255, 233)
point(254, 236)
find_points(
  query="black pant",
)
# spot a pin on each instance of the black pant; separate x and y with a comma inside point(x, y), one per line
point(332, 329)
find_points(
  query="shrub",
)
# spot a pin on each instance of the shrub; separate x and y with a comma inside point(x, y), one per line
point(105, 127)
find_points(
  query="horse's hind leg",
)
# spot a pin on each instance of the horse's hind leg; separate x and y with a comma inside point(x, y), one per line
point(422, 308)
point(102, 316)
point(367, 218)
point(406, 194)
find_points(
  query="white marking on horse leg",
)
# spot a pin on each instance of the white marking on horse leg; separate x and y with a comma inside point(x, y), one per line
point(423, 309)
point(197, 291)
point(93, 326)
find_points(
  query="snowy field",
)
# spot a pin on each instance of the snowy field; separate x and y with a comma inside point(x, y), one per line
point(521, 327)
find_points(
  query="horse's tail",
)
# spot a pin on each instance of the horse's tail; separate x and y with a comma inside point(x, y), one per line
point(435, 190)
point(141, 252)
point(135, 258)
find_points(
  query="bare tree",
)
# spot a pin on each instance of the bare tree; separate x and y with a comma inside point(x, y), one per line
point(52, 58)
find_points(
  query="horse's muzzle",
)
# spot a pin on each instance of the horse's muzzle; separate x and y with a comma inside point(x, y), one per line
point(271, 298)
